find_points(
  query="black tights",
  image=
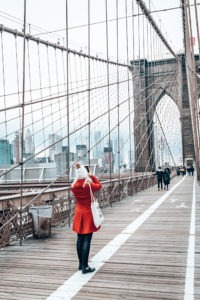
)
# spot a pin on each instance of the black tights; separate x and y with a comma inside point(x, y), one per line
point(160, 183)
point(83, 248)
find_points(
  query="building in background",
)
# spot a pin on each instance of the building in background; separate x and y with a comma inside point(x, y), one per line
point(16, 147)
point(5, 153)
point(97, 151)
point(61, 160)
point(108, 160)
point(55, 144)
point(29, 148)
point(118, 151)
point(81, 151)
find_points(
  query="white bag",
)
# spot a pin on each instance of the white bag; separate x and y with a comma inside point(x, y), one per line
point(98, 217)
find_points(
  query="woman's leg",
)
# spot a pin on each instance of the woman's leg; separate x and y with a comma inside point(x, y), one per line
point(85, 254)
point(86, 248)
point(79, 247)
point(161, 184)
point(158, 184)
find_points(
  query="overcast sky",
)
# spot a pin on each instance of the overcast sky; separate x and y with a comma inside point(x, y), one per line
point(50, 15)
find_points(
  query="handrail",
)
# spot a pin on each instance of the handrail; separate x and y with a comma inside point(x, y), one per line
point(63, 204)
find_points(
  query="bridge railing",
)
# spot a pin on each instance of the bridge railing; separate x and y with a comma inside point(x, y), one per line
point(17, 225)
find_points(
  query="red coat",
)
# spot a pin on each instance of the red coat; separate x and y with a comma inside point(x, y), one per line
point(83, 221)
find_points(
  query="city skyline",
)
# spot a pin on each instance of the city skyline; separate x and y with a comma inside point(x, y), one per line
point(56, 147)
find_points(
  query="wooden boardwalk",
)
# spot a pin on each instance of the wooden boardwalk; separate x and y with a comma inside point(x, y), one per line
point(147, 249)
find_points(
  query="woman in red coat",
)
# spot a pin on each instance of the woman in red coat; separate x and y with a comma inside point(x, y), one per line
point(83, 223)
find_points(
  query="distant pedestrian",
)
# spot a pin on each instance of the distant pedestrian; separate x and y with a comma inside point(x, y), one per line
point(192, 170)
point(189, 170)
point(166, 179)
point(159, 174)
point(168, 170)
point(177, 171)
point(83, 223)
point(182, 170)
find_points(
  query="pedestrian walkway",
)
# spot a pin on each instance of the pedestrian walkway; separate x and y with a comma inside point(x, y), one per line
point(147, 248)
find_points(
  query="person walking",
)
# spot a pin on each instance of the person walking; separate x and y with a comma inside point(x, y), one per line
point(83, 223)
point(166, 178)
point(192, 170)
point(177, 171)
point(159, 174)
point(189, 170)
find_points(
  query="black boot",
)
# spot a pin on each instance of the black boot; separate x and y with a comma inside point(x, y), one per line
point(88, 269)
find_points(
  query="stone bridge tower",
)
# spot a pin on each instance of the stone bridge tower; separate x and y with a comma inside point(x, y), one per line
point(151, 81)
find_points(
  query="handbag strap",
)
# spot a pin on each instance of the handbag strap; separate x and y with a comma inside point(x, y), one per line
point(91, 193)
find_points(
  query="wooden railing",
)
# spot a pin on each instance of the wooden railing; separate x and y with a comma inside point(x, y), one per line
point(17, 224)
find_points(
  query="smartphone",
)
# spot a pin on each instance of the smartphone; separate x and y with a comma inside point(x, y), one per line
point(87, 168)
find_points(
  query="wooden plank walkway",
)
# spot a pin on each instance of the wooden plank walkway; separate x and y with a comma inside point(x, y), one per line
point(140, 253)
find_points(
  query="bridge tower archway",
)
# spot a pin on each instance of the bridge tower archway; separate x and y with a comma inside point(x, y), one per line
point(167, 133)
point(151, 81)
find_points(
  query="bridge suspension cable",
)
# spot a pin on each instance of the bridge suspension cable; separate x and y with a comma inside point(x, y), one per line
point(78, 107)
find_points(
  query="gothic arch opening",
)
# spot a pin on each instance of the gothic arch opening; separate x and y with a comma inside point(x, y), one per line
point(167, 133)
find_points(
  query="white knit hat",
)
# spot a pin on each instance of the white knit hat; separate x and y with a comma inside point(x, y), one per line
point(81, 173)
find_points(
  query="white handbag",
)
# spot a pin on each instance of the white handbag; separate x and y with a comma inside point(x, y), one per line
point(98, 217)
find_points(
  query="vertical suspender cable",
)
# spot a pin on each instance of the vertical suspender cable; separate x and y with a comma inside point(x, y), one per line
point(58, 90)
point(108, 90)
point(154, 116)
point(133, 58)
point(64, 74)
point(4, 84)
point(30, 91)
point(140, 100)
point(133, 35)
point(22, 126)
point(118, 115)
point(143, 37)
point(128, 86)
point(151, 149)
point(89, 104)
point(41, 94)
point(153, 48)
point(17, 68)
point(67, 90)
point(150, 115)
point(50, 92)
